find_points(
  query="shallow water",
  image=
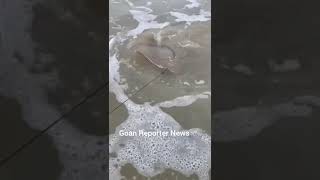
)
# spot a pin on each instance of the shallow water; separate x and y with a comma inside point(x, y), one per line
point(141, 94)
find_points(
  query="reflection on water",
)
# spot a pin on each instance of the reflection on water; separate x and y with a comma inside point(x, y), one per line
point(147, 37)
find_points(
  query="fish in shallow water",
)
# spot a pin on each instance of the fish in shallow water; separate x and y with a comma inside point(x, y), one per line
point(175, 47)
point(161, 56)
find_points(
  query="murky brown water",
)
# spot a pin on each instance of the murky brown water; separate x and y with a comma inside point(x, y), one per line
point(183, 94)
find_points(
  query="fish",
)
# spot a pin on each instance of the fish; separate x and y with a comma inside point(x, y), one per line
point(168, 48)
point(162, 57)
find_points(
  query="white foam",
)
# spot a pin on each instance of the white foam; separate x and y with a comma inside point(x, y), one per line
point(78, 153)
point(188, 155)
point(199, 82)
point(184, 100)
point(186, 83)
point(201, 17)
point(152, 155)
point(129, 3)
point(146, 20)
point(193, 4)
